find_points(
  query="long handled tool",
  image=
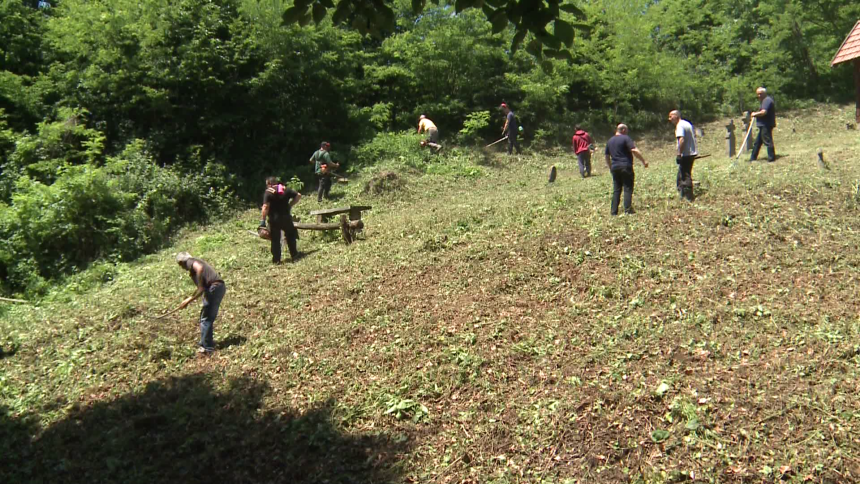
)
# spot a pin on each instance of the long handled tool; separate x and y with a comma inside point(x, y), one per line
point(162, 316)
point(496, 142)
point(747, 137)
point(340, 178)
point(19, 301)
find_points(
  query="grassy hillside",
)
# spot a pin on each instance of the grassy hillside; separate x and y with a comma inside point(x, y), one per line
point(488, 328)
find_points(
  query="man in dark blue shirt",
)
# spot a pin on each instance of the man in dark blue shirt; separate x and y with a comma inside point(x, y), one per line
point(620, 151)
point(511, 129)
point(765, 119)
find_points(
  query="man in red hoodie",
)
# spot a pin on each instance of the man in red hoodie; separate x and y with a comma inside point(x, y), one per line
point(583, 146)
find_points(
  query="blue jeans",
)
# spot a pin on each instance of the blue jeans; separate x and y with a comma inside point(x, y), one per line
point(211, 302)
point(765, 137)
point(584, 160)
point(512, 143)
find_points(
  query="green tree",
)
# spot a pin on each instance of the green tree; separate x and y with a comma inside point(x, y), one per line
point(378, 18)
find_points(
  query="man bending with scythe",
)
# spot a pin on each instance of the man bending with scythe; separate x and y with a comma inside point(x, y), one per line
point(212, 288)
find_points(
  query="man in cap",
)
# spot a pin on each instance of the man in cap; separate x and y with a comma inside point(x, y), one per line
point(323, 166)
point(212, 288)
point(511, 129)
point(424, 124)
point(685, 154)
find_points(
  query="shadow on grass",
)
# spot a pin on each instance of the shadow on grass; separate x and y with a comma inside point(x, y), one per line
point(229, 341)
point(182, 430)
point(304, 254)
point(490, 158)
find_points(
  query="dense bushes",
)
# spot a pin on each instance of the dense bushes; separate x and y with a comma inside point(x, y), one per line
point(401, 147)
point(125, 208)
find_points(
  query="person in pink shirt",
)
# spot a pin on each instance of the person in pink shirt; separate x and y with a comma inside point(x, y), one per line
point(583, 147)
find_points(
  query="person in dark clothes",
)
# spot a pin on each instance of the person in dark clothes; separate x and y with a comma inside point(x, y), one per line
point(583, 147)
point(765, 120)
point(212, 288)
point(511, 129)
point(620, 151)
point(277, 202)
point(323, 166)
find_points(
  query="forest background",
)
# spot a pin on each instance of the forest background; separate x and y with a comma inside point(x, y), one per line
point(122, 120)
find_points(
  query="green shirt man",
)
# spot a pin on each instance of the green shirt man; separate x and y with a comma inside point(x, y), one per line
point(323, 165)
point(321, 157)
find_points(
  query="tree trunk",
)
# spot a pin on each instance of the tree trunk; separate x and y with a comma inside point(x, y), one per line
point(857, 88)
point(804, 53)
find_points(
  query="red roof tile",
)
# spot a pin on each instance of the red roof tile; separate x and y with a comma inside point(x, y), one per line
point(850, 49)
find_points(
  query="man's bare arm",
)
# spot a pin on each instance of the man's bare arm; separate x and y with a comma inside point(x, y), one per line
point(638, 154)
point(198, 269)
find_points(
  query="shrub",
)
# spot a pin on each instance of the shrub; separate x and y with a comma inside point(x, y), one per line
point(118, 211)
point(400, 148)
point(475, 125)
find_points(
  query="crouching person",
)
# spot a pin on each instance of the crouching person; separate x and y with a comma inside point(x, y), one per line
point(212, 288)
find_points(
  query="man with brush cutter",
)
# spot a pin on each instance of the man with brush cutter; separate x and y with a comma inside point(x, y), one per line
point(511, 129)
point(323, 169)
point(424, 124)
point(685, 154)
point(212, 288)
point(277, 202)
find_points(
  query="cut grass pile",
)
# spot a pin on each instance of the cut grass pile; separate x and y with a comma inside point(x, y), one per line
point(488, 328)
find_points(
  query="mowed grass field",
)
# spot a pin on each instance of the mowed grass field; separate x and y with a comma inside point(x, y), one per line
point(487, 328)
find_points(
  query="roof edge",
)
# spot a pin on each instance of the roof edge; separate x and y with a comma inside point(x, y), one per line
point(856, 26)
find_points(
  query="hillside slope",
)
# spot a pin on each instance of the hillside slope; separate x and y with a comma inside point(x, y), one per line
point(489, 327)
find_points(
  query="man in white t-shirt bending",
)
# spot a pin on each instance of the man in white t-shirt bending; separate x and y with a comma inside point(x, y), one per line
point(685, 155)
